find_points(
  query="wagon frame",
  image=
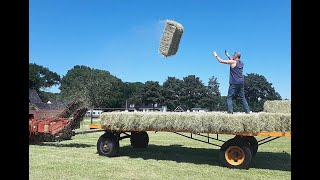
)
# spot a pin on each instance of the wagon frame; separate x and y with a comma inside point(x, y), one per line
point(237, 152)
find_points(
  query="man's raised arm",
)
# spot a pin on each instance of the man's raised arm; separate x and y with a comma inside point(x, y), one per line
point(222, 60)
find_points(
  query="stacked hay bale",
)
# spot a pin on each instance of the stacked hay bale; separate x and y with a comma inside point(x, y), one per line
point(277, 106)
point(276, 117)
point(198, 121)
point(171, 36)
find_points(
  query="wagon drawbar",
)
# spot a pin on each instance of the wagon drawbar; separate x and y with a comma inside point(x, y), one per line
point(236, 152)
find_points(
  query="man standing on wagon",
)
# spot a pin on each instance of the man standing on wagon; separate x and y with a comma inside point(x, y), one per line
point(236, 80)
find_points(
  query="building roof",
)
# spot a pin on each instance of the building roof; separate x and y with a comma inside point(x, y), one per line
point(35, 102)
point(34, 97)
point(179, 109)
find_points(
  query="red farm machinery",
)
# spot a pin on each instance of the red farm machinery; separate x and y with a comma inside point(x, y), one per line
point(55, 125)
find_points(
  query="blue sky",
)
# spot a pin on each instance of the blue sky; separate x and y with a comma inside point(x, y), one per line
point(123, 37)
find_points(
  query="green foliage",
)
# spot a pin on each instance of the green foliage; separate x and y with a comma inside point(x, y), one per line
point(152, 93)
point(211, 98)
point(222, 104)
point(213, 86)
point(101, 89)
point(172, 92)
point(133, 92)
point(49, 96)
point(41, 77)
point(192, 91)
point(258, 90)
point(131, 88)
point(98, 87)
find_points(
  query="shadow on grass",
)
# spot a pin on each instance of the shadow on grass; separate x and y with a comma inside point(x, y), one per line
point(178, 153)
point(57, 144)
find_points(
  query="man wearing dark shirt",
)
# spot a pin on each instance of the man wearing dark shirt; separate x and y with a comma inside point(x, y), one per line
point(236, 80)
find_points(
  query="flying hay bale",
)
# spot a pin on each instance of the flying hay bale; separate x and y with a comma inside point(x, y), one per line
point(277, 106)
point(198, 122)
point(171, 38)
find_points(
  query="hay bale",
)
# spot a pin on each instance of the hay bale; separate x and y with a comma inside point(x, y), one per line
point(171, 36)
point(198, 122)
point(277, 106)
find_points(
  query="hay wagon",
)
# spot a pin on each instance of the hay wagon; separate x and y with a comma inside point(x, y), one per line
point(236, 152)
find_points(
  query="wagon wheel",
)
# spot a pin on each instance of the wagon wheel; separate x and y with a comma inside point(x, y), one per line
point(139, 139)
point(107, 145)
point(252, 141)
point(236, 153)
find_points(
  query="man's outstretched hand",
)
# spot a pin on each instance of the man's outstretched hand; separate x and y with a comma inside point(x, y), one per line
point(215, 53)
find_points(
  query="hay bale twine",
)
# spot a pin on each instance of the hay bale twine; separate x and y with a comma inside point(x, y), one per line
point(171, 37)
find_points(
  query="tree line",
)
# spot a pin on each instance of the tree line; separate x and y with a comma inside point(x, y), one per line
point(104, 90)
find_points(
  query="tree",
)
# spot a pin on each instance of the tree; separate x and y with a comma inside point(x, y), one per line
point(222, 105)
point(98, 87)
point(172, 91)
point(211, 99)
point(152, 93)
point(133, 92)
point(213, 86)
point(193, 90)
point(41, 77)
point(49, 96)
point(258, 90)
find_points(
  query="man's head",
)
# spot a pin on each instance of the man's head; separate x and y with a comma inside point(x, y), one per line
point(236, 55)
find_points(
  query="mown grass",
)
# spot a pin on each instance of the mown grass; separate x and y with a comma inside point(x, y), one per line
point(168, 156)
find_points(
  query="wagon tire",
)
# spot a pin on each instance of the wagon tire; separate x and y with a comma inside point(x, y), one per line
point(253, 143)
point(139, 139)
point(236, 154)
point(107, 146)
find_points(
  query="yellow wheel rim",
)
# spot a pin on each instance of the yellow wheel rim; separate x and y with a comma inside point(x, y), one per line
point(235, 155)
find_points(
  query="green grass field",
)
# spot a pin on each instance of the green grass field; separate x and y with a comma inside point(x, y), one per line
point(168, 156)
